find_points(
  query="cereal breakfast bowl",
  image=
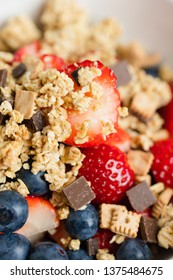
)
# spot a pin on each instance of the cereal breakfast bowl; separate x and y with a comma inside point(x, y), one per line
point(86, 150)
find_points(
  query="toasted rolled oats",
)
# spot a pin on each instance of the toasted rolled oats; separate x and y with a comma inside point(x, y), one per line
point(140, 161)
point(103, 254)
point(165, 235)
point(166, 215)
point(74, 244)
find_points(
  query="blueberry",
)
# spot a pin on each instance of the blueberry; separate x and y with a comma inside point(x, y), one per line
point(14, 246)
point(134, 249)
point(80, 254)
point(82, 224)
point(153, 71)
point(36, 184)
point(13, 211)
point(48, 251)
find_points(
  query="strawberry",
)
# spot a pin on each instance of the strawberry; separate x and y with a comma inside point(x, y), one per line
point(162, 167)
point(99, 111)
point(166, 113)
point(31, 49)
point(104, 237)
point(120, 139)
point(53, 61)
point(109, 173)
point(42, 217)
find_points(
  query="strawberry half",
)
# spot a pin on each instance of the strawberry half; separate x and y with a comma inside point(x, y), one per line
point(120, 139)
point(162, 167)
point(99, 111)
point(31, 49)
point(109, 173)
point(53, 61)
point(166, 113)
point(104, 237)
point(42, 217)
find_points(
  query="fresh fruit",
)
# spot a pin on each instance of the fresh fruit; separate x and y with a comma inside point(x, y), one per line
point(104, 236)
point(120, 139)
point(13, 211)
point(36, 184)
point(42, 217)
point(109, 173)
point(100, 111)
point(48, 251)
point(166, 113)
point(80, 254)
point(133, 249)
point(14, 247)
point(53, 61)
point(162, 167)
point(82, 224)
point(153, 71)
point(31, 49)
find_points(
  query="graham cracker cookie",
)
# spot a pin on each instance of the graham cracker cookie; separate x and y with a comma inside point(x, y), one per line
point(106, 211)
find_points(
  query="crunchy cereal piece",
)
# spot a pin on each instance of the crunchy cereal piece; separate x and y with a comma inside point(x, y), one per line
point(5, 107)
point(166, 215)
point(117, 238)
point(65, 242)
point(34, 65)
point(6, 56)
point(162, 134)
point(165, 236)
point(87, 74)
point(25, 103)
point(63, 212)
point(103, 254)
point(140, 161)
point(106, 211)
point(157, 188)
point(59, 200)
point(166, 73)
point(139, 179)
point(123, 112)
point(162, 201)
point(125, 222)
point(17, 186)
point(19, 31)
point(136, 55)
point(3, 47)
point(74, 244)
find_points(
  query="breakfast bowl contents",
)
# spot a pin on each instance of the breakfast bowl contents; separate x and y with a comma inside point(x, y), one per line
point(86, 158)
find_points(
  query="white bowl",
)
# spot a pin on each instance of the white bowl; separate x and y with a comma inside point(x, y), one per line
point(149, 22)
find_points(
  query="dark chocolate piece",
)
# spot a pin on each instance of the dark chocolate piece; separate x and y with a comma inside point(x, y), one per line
point(19, 70)
point(141, 197)
point(79, 193)
point(3, 77)
point(36, 122)
point(92, 246)
point(75, 75)
point(149, 229)
point(122, 73)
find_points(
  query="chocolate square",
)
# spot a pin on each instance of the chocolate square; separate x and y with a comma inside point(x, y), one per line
point(36, 122)
point(141, 197)
point(79, 193)
point(92, 246)
point(122, 73)
point(19, 70)
point(149, 229)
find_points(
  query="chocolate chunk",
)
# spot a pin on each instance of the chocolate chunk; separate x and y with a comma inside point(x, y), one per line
point(75, 76)
point(122, 73)
point(19, 70)
point(92, 246)
point(149, 229)
point(141, 197)
point(36, 122)
point(3, 77)
point(79, 193)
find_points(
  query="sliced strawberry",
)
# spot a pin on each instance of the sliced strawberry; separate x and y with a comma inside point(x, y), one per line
point(162, 167)
point(53, 61)
point(120, 139)
point(102, 110)
point(166, 113)
point(108, 171)
point(60, 234)
point(104, 237)
point(42, 217)
point(31, 49)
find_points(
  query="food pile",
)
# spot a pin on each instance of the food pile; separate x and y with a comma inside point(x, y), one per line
point(86, 154)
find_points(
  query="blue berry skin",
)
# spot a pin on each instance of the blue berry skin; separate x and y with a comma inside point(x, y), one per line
point(134, 249)
point(36, 184)
point(153, 71)
point(14, 246)
point(13, 211)
point(82, 224)
point(48, 251)
point(78, 255)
